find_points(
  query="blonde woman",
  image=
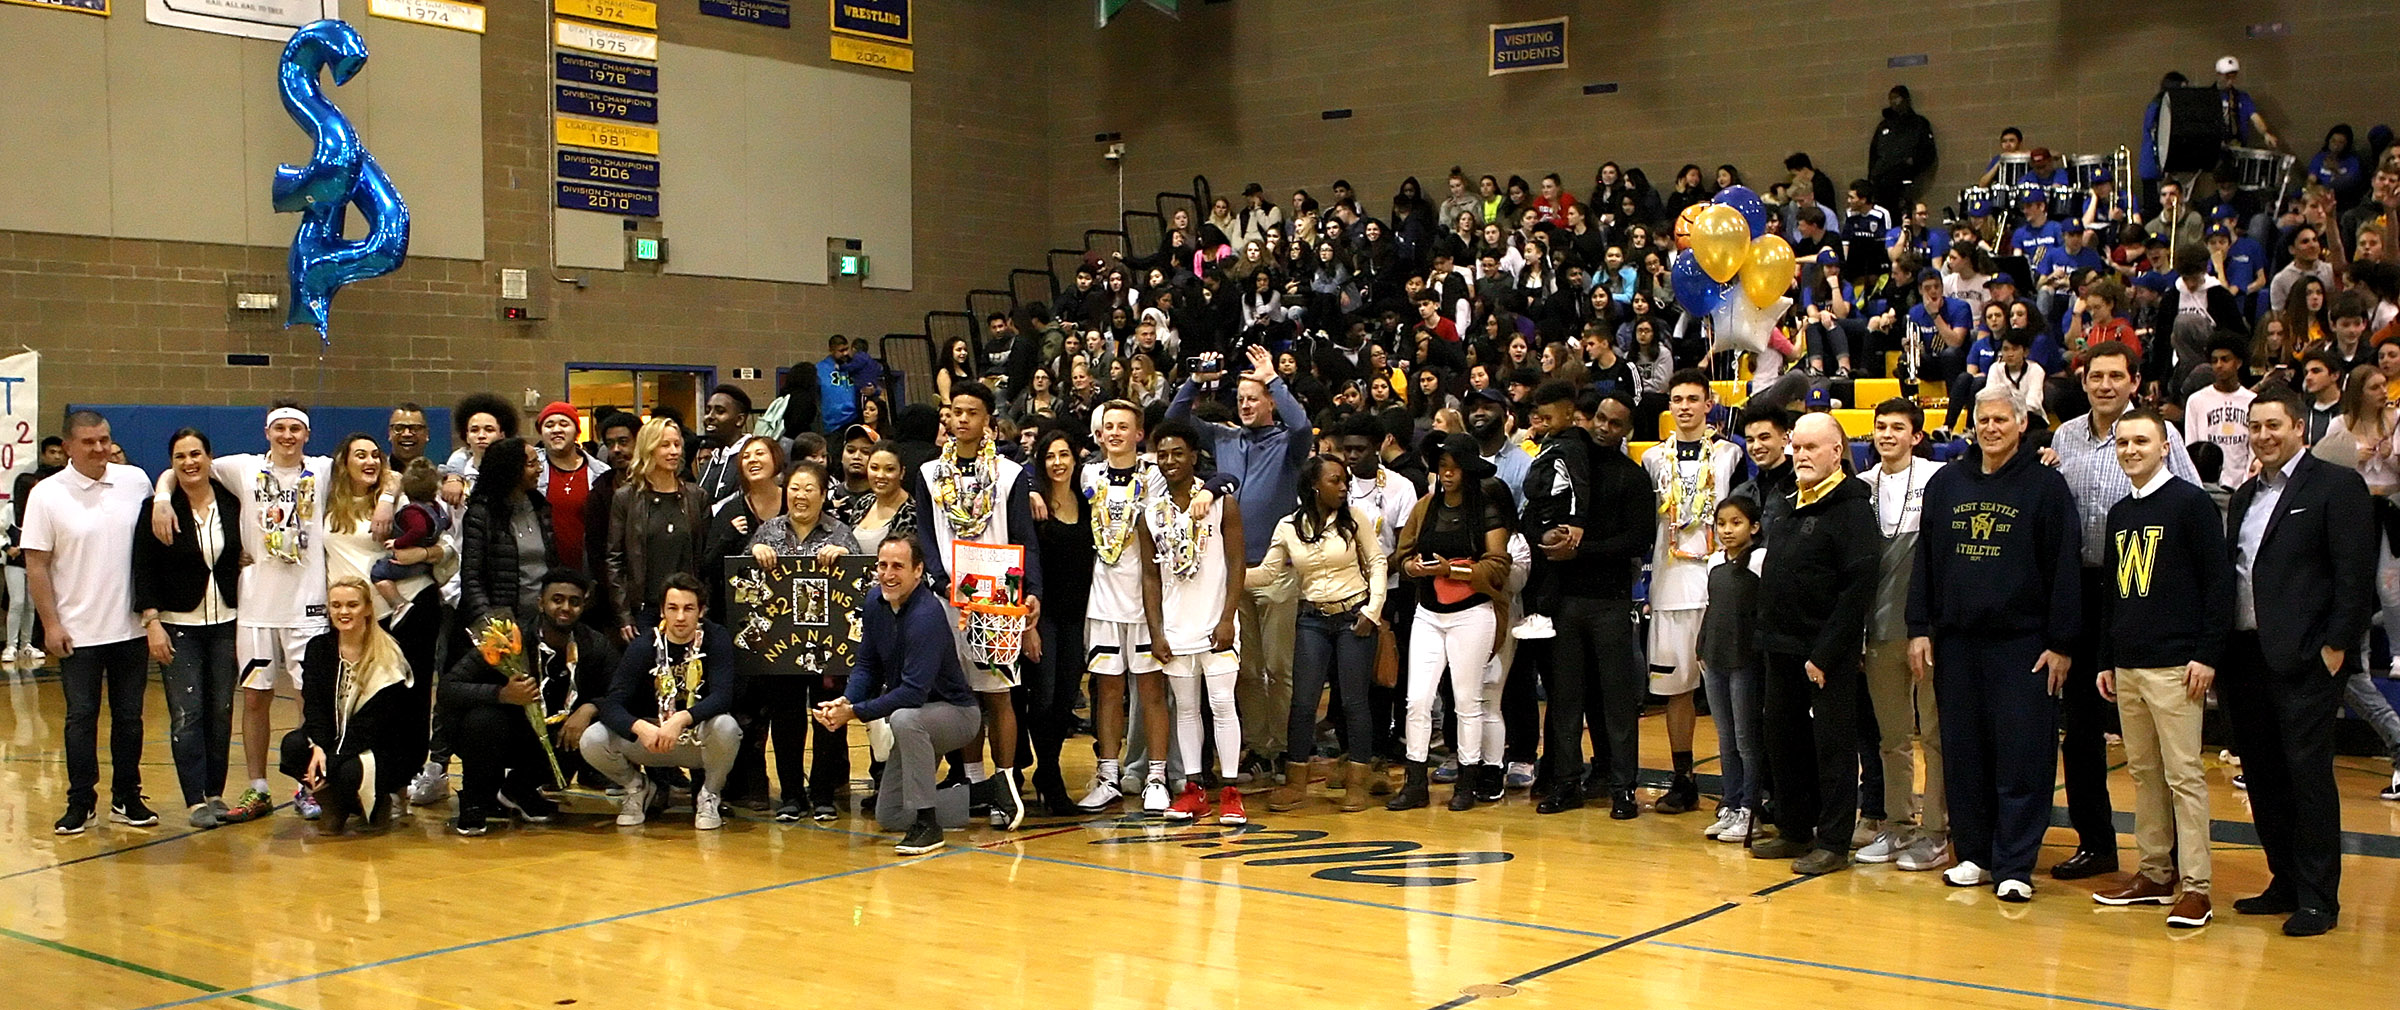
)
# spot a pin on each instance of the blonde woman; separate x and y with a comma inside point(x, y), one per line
point(655, 524)
point(360, 718)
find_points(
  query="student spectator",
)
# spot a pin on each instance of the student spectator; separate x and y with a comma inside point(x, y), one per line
point(1901, 152)
point(1902, 704)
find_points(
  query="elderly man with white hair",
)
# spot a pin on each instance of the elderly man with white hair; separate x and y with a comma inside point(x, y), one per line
point(1994, 607)
point(1812, 621)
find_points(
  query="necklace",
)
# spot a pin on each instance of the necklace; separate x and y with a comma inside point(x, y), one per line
point(1891, 530)
point(1117, 507)
point(677, 683)
point(283, 527)
point(966, 498)
point(1691, 498)
point(1181, 541)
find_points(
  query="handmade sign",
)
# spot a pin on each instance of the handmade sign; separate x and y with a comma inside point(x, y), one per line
point(800, 618)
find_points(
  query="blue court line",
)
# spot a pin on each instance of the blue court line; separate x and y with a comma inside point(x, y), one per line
point(1879, 973)
point(1178, 878)
point(546, 931)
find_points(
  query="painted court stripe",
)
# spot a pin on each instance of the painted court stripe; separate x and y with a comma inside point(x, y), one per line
point(1879, 973)
point(215, 992)
point(530, 934)
point(1298, 894)
point(177, 837)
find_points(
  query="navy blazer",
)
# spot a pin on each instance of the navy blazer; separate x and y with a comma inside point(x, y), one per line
point(2314, 577)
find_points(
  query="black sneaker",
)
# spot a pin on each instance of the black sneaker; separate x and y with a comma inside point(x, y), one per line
point(471, 822)
point(77, 817)
point(1682, 796)
point(922, 837)
point(824, 812)
point(789, 812)
point(530, 806)
point(132, 812)
point(1491, 783)
point(1008, 801)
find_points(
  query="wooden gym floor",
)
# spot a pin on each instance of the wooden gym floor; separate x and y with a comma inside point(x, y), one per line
point(1494, 907)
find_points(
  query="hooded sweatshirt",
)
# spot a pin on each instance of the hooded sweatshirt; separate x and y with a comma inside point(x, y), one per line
point(1820, 576)
point(1903, 143)
point(1999, 555)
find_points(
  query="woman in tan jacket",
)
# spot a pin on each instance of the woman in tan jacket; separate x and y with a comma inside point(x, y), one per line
point(1456, 548)
point(1331, 545)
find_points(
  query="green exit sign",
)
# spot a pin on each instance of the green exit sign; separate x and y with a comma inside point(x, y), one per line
point(853, 265)
point(645, 250)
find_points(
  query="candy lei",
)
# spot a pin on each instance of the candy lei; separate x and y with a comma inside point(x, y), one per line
point(1180, 539)
point(967, 499)
point(677, 684)
point(1116, 509)
point(286, 539)
point(1691, 500)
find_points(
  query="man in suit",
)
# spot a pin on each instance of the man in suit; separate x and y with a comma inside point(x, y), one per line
point(2303, 540)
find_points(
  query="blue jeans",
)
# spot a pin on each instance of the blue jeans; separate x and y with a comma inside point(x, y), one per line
point(1324, 648)
point(122, 669)
point(199, 685)
point(1735, 704)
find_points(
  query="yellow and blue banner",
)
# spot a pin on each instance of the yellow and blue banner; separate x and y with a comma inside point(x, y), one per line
point(881, 20)
point(1529, 45)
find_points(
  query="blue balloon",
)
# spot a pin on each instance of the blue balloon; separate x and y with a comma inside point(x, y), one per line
point(339, 174)
point(1694, 289)
point(1751, 207)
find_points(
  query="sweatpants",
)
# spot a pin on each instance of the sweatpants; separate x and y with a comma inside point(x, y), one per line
point(1906, 709)
point(1999, 759)
point(1461, 644)
point(1812, 739)
point(920, 736)
point(615, 756)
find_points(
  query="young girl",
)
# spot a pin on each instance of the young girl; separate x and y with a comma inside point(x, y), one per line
point(1729, 667)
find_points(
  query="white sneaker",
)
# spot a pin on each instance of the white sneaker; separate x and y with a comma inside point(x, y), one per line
point(33, 655)
point(1717, 827)
point(2391, 792)
point(2015, 891)
point(1737, 828)
point(633, 808)
point(1104, 792)
point(1154, 797)
point(1928, 852)
point(431, 785)
point(1534, 626)
point(1519, 775)
point(8, 655)
point(1966, 874)
point(707, 811)
point(1886, 846)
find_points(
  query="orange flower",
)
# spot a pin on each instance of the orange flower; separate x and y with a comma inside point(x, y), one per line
point(491, 654)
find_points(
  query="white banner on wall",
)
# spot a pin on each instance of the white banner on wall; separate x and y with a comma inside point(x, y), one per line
point(20, 417)
point(272, 20)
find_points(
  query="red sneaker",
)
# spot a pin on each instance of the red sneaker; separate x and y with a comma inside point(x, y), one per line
point(1229, 807)
point(1193, 803)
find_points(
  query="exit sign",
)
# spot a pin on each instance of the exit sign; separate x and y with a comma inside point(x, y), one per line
point(853, 265)
point(645, 250)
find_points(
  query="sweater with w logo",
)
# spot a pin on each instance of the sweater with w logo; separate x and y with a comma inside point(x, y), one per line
point(2170, 598)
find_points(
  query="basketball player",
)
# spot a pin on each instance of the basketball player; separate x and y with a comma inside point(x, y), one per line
point(1195, 559)
point(1689, 473)
point(1123, 631)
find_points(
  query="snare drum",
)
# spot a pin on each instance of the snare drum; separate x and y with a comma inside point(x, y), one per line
point(1976, 201)
point(2013, 168)
point(2066, 200)
point(2090, 170)
point(2254, 168)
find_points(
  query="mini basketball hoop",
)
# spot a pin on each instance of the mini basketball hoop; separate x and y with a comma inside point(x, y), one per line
point(995, 633)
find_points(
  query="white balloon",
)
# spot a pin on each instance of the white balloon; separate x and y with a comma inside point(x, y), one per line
point(1743, 326)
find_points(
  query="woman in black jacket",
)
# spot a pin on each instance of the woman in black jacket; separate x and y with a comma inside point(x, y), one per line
point(185, 592)
point(505, 542)
point(358, 716)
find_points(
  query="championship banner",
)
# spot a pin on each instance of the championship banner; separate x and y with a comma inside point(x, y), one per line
point(605, 41)
point(1529, 45)
point(20, 419)
point(881, 20)
point(771, 13)
point(465, 17)
point(272, 20)
point(801, 618)
point(99, 7)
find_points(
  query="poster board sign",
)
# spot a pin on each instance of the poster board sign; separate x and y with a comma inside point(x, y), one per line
point(272, 20)
point(20, 418)
point(802, 618)
point(989, 576)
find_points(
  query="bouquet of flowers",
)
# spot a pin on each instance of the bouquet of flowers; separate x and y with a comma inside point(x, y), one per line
point(502, 645)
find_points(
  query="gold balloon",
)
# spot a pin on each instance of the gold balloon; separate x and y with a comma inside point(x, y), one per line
point(1770, 272)
point(1720, 241)
point(1683, 225)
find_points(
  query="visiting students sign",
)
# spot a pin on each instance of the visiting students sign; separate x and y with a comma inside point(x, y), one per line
point(1529, 45)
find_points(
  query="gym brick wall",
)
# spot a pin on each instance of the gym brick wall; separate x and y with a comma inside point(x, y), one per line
point(1234, 91)
point(151, 322)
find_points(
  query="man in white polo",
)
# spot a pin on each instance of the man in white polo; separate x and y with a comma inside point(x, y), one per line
point(284, 493)
point(78, 541)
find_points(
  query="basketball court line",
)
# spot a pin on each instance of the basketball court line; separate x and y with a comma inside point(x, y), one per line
point(214, 992)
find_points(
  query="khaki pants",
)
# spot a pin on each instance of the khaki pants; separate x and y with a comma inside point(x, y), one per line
point(1902, 709)
point(1263, 694)
point(2170, 792)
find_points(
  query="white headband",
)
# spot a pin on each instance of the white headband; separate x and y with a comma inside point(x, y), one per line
point(287, 414)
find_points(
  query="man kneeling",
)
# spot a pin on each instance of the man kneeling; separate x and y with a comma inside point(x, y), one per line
point(908, 675)
point(671, 705)
point(567, 670)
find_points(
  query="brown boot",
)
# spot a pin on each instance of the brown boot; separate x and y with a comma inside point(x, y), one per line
point(1379, 779)
point(1293, 791)
point(1354, 786)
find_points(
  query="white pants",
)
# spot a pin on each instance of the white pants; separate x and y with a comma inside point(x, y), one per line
point(1218, 671)
point(1459, 642)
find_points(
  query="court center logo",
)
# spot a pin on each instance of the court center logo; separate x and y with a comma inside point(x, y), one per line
point(1383, 863)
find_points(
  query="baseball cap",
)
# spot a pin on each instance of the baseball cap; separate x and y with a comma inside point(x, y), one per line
point(2040, 154)
point(856, 431)
point(2219, 231)
point(2033, 196)
point(2228, 65)
point(1488, 393)
point(1928, 274)
point(2224, 212)
point(2072, 225)
point(2155, 281)
point(2001, 278)
point(1818, 398)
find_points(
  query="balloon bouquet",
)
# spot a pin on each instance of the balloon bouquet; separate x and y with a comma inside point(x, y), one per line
point(1724, 240)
